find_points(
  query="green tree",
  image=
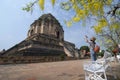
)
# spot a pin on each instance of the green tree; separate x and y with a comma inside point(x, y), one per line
point(84, 48)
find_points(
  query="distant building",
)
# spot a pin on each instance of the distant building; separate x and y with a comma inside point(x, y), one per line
point(45, 38)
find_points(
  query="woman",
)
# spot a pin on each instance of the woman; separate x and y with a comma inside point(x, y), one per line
point(92, 46)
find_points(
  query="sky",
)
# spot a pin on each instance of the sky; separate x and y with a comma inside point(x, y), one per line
point(15, 23)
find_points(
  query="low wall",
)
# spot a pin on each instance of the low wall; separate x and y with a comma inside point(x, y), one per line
point(32, 59)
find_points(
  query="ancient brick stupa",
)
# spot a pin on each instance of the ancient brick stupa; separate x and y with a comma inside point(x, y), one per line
point(45, 38)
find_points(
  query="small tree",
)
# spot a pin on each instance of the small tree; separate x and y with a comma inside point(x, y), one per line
point(85, 48)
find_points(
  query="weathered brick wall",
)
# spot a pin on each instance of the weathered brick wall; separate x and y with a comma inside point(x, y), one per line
point(32, 59)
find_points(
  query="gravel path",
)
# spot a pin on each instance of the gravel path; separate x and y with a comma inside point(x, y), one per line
point(63, 70)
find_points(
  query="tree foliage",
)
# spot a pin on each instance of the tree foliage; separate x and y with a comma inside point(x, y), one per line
point(30, 5)
point(110, 35)
point(85, 9)
point(85, 48)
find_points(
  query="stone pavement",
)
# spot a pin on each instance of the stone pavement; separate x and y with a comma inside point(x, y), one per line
point(63, 70)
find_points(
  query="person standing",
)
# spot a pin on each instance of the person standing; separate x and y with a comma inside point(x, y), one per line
point(92, 46)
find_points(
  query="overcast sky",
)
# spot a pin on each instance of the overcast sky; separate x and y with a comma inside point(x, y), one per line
point(14, 23)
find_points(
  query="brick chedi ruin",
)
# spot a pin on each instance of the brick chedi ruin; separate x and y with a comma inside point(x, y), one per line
point(45, 38)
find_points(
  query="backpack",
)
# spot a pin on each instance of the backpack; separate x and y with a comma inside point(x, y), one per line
point(96, 48)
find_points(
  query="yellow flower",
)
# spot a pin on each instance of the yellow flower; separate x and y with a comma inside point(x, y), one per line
point(41, 4)
point(53, 2)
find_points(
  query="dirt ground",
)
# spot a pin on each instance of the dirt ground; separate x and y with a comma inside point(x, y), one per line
point(62, 70)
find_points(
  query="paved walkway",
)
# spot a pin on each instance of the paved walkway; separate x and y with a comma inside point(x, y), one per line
point(64, 70)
